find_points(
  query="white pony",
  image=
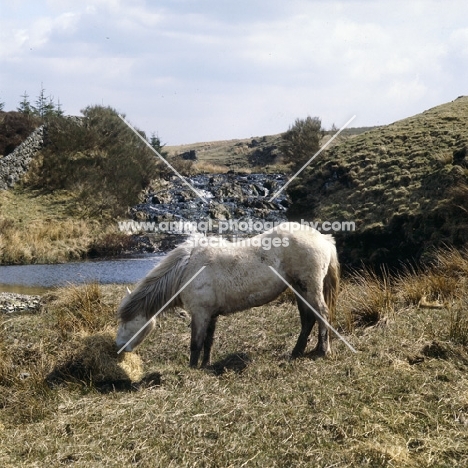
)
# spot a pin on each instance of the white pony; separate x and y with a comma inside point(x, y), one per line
point(237, 276)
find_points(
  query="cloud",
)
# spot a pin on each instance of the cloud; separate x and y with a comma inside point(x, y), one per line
point(199, 70)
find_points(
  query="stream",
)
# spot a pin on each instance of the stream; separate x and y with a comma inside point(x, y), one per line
point(37, 279)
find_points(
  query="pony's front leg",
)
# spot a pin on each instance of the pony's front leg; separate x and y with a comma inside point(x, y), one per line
point(200, 325)
point(208, 342)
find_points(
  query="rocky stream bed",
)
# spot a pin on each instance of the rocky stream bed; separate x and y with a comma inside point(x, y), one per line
point(241, 199)
point(233, 205)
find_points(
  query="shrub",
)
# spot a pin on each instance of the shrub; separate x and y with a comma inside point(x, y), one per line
point(14, 129)
point(98, 158)
point(302, 140)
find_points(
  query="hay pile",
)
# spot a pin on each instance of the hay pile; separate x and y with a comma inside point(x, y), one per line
point(100, 358)
point(93, 359)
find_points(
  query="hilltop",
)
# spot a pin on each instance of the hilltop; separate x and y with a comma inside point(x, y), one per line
point(405, 185)
point(239, 154)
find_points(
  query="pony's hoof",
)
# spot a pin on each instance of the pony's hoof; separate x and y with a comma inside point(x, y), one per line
point(320, 353)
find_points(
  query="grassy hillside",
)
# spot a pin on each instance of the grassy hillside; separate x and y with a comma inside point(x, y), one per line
point(235, 154)
point(405, 185)
point(401, 401)
point(247, 152)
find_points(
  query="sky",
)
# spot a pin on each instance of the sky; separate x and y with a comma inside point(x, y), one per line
point(204, 70)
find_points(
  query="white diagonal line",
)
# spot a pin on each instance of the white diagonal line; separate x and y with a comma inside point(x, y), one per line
point(312, 158)
point(161, 309)
point(197, 193)
point(316, 313)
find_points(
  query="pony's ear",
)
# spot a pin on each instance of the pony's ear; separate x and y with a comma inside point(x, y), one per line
point(128, 290)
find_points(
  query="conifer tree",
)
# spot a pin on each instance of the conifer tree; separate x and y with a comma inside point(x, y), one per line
point(25, 106)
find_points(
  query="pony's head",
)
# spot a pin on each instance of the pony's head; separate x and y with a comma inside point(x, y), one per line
point(134, 326)
point(133, 332)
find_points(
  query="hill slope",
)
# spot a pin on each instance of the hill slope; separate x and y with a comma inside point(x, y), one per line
point(405, 186)
point(246, 152)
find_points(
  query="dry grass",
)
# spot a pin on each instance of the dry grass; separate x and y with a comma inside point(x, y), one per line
point(459, 322)
point(203, 167)
point(93, 360)
point(402, 401)
point(441, 282)
point(44, 241)
point(79, 309)
point(368, 298)
point(43, 228)
point(452, 262)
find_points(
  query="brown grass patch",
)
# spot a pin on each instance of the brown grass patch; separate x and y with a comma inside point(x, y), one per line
point(367, 298)
point(203, 167)
point(44, 241)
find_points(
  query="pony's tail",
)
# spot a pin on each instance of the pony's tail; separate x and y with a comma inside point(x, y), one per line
point(158, 287)
point(331, 284)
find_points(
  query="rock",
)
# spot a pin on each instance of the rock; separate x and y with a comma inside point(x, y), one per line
point(14, 165)
point(12, 303)
point(189, 155)
point(230, 197)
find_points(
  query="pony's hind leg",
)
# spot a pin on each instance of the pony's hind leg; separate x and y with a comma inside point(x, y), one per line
point(308, 319)
point(323, 343)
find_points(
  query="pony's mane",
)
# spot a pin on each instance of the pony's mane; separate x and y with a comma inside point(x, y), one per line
point(155, 289)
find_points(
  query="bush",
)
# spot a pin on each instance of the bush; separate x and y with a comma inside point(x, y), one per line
point(302, 140)
point(96, 157)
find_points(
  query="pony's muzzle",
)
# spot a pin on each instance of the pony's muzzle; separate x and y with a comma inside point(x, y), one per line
point(120, 343)
point(127, 349)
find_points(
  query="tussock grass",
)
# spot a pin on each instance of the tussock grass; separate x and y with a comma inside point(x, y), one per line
point(368, 298)
point(453, 262)
point(416, 287)
point(401, 401)
point(79, 309)
point(459, 321)
point(443, 281)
